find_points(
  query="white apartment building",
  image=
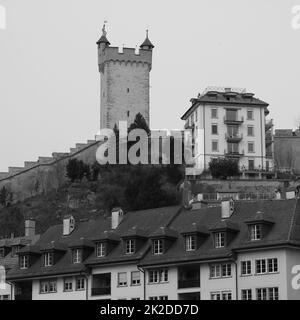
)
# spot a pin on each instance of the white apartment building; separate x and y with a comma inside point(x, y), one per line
point(230, 122)
point(244, 250)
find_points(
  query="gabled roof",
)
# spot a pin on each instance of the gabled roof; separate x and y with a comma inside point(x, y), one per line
point(261, 217)
point(225, 225)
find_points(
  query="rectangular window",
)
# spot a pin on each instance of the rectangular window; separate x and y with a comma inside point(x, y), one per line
point(219, 240)
point(48, 286)
point(130, 246)
point(250, 131)
point(250, 164)
point(77, 256)
point(246, 268)
point(80, 283)
point(48, 259)
point(261, 266)
point(68, 284)
point(220, 270)
point(226, 295)
point(158, 298)
point(122, 279)
point(223, 295)
point(135, 278)
point(158, 246)
point(215, 146)
point(14, 250)
point(250, 115)
point(190, 243)
point(231, 115)
point(250, 147)
point(247, 294)
point(24, 262)
point(272, 265)
point(255, 232)
point(100, 249)
point(214, 129)
point(158, 276)
point(267, 293)
point(215, 296)
point(214, 113)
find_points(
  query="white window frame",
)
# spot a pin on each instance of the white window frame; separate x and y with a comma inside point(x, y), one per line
point(135, 278)
point(219, 240)
point(122, 282)
point(130, 246)
point(272, 265)
point(158, 246)
point(76, 256)
point(252, 127)
point(190, 243)
point(80, 283)
point(24, 262)
point(251, 143)
point(246, 294)
point(68, 284)
point(100, 249)
point(246, 268)
point(267, 293)
point(255, 232)
point(260, 266)
point(158, 276)
point(48, 286)
point(48, 259)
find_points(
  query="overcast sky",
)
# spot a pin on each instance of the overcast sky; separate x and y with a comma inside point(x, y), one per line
point(49, 80)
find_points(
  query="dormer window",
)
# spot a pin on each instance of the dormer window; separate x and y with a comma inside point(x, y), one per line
point(130, 246)
point(100, 249)
point(24, 262)
point(14, 250)
point(219, 238)
point(256, 232)
point(77, 256)
point(158, 246)
point(48, 259)
point(190, 243)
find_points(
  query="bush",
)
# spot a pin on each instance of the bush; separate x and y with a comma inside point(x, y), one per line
point(77, 170)
point(222, 168)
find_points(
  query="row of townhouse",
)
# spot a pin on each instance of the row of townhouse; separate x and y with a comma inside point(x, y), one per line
point(236, 250)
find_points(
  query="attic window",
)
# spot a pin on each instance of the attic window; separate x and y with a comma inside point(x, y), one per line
point(24, 262)
point(130, 246)
point(219, 239)
point(190, 243)
point(100, 249)
point(158, 246)
point(255, 232)
point(48, 259)
point(77, 256)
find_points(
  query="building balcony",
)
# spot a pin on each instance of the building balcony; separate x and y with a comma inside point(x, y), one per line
point(234, 121)
point(234, 153)
point(103, 291)
point(194, 283)
point(237, 137)
point(269, 124)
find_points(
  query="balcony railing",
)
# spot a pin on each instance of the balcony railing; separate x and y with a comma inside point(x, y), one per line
point(101, 291)
point(234, 153)
point(232, 120)
point(195, 283)
point(236, 137)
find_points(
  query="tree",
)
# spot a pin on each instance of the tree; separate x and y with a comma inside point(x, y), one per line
point(224, 168)
point(77, 170)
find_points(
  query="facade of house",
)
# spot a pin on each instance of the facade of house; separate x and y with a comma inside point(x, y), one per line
point(243, 250)
point(230, 122)
point(287, 150)
point(9, 248)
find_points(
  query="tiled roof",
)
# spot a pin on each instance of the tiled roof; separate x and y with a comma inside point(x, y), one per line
point(174, 222)
point(222, 98)
point(147, 220)
point(285, 230)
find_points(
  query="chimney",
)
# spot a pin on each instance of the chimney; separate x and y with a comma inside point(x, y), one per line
point(227, 209)
point(29, 227)
point(116, 217)
point(68, 225)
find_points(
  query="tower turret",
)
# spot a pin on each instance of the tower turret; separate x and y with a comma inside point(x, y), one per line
point(125, 82)
point(147, 44)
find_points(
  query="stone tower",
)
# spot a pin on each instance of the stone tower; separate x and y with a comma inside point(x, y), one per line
point(125, 82)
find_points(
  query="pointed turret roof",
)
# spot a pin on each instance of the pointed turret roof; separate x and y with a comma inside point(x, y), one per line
point(103, 38)
point(147, 42)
